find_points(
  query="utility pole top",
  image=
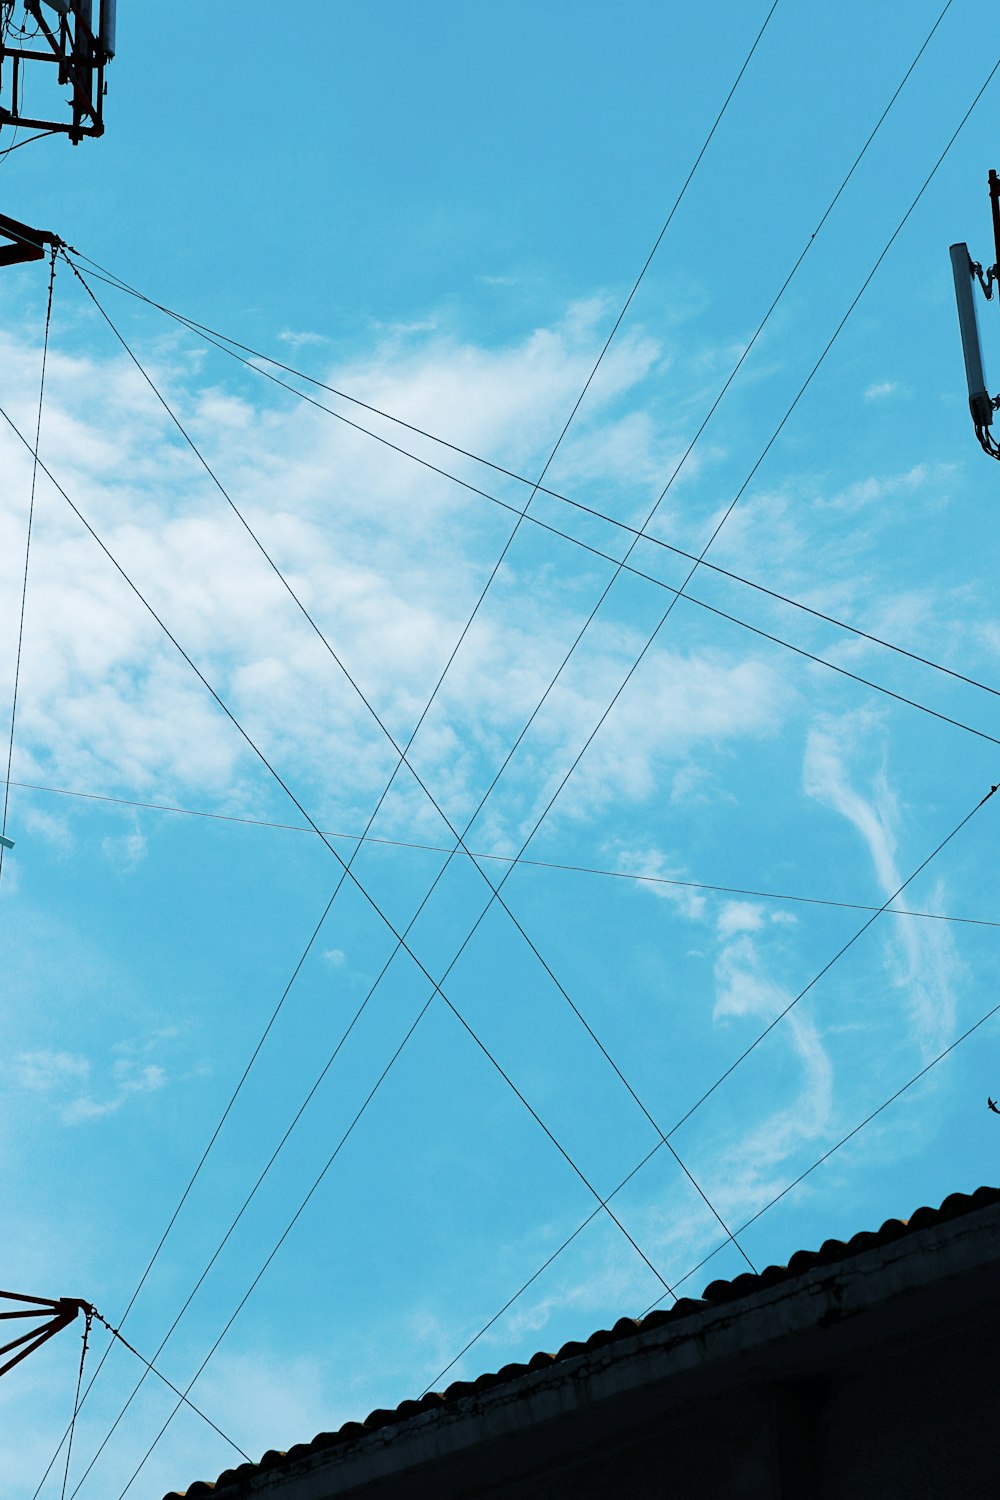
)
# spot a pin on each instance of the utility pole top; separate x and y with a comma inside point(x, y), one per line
point(55, 1315)
point(62, 34)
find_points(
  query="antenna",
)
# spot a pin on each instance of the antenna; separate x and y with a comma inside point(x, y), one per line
point(962, 267)
point(966, 272)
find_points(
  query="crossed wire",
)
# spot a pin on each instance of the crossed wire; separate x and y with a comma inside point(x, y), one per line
point(541, 477)
point(782, 423)
point(620, 565)
point(604, 1203)
point(634, 876)
point(349, 874)
point(347, 867)
point(214, 337)
point(994, 69)
point(623, 565)
point(747, 1224)
point(495, 890)
point(891, 242)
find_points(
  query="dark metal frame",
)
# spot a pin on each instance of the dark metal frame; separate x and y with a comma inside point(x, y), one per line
point(81, 60)
point(58, 1315)
point(25, 244)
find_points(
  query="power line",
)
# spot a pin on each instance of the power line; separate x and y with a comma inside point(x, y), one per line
point(844, 1140)
point(742, 1228)
point(619, 566)
point(152, 1370)
point(565, 428)
point(366, 896)
point(555, 449)
point(718, 529)
point(623, 565)
point(865, 926)
point(213, 336)
point(41, 136)
point(27, 552)
point(186, 1193)
point(402, 753)
point(88, 1318)
point(639, 533)
point(731, 1069)
point(738, 497)
point(765, 450)
point(726, 514)
point(281, 1240)
point(510, 859)
point(830, 963)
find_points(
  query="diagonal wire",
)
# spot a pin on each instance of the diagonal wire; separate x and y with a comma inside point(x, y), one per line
point(366, 896)
point(887, 906)
point(619, 567)
point(402, 752)
point(284, 1235)
point(759, 461)
point(742, 1228)
point(27, 551)
point(567, 500)
point(346, 1135)
point(495, 890)
point(640, 534)
point(987, 1016)
point(152, 1370)
point(214, 337)
point(864, 928)
point(509, 859)
point(221, 340)
point(88, 1318)
point(562, 435)
point(602, 1203)
point(838, 330)
point(733, 503)
point(722, 521)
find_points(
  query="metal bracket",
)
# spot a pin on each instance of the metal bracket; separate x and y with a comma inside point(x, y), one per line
point(25, 243)
point(81, 58)
point(57, 1315)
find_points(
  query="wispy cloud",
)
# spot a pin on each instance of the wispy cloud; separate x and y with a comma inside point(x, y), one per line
point(81, 1089)
point(922, 960)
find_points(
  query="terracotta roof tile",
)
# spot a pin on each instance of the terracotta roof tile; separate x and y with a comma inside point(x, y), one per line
point(742, 1286)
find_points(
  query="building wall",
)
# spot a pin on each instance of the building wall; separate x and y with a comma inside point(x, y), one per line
point(872, 1375)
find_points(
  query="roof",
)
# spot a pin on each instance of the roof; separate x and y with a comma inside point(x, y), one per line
point(831, 1252)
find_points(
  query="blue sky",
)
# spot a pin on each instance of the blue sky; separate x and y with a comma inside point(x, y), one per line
point(440, 211)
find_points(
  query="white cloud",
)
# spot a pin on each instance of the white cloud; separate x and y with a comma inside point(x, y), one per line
point(739, 916)
point(653, 863)
point(126, 851)
point(879, 390)
point(81, 1089)
point(921, 956)
point(303, 339)
point(389, 560)
point(44, 1071)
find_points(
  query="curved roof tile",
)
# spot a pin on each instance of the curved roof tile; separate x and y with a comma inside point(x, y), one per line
point(744, 1285)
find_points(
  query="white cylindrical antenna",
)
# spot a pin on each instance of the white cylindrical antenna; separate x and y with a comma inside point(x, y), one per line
point(979, 401)
point(109, 13)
